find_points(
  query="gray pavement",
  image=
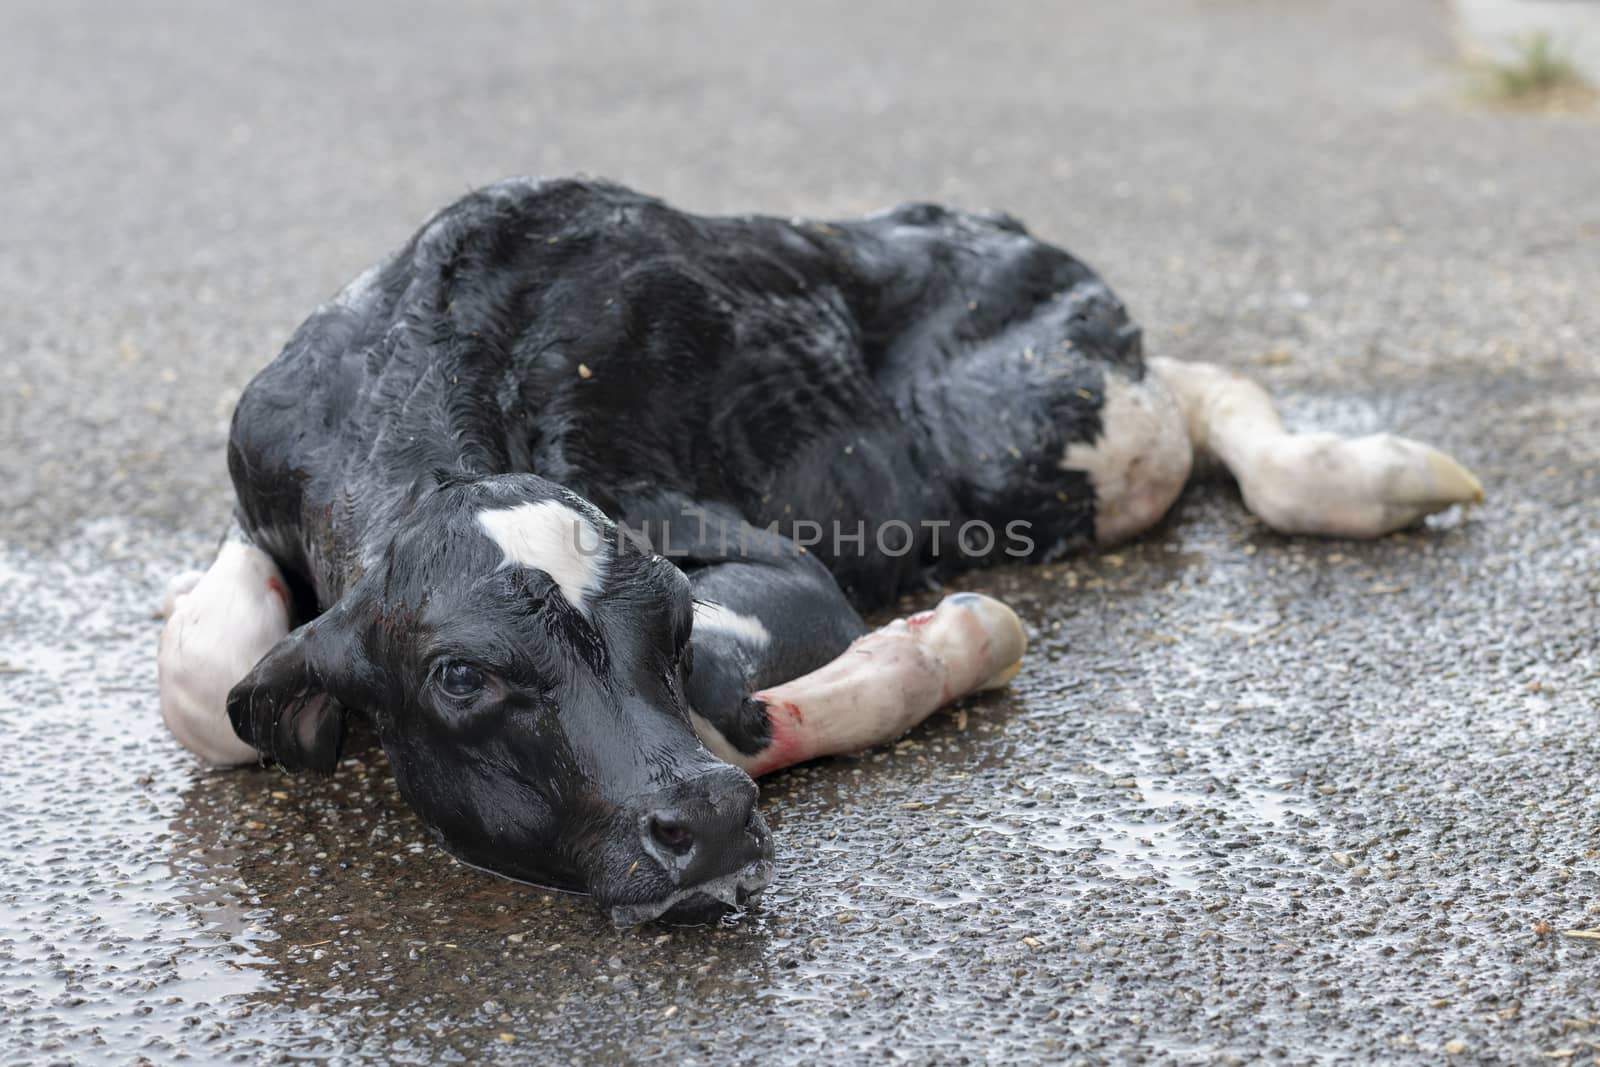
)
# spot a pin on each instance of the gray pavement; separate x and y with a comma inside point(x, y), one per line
point(1253, 798)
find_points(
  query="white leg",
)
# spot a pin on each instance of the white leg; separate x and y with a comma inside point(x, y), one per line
point(177, 585)
point(1141, 460)
point(219, 625)
point(1312, 483)
point(887, 682)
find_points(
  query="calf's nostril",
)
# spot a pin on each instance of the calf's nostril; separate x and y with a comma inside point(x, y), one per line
point(671, 834)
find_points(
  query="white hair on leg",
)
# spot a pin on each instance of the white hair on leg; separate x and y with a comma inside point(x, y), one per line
point(219, 625)
point(1139, 462)
point(746, 629)
point(179, 584)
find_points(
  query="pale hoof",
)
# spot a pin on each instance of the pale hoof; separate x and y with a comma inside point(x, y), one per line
point(1007, 640)
point(1360, 487)
point(1001, 679)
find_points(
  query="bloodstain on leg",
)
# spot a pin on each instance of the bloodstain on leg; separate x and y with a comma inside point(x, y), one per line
point(784, 718)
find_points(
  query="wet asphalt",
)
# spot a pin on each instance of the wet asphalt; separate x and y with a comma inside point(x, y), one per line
point(1253, 798)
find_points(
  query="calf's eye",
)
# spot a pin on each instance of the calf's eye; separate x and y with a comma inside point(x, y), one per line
point(460, 680)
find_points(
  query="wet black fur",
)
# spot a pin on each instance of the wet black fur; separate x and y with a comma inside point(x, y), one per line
point(540, 339)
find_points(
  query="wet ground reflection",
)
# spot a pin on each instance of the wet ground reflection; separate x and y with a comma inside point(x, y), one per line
point(1237, 766)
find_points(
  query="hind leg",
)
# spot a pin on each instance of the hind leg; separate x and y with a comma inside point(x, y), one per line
point(219, 624)
point(1139, 461)
point(1311, 483)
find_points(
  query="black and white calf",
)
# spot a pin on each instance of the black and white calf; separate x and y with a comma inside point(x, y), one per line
point(579, 498)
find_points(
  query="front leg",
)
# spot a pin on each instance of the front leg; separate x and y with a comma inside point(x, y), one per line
point(758, 623)
point(784, 671)
point(219, 625)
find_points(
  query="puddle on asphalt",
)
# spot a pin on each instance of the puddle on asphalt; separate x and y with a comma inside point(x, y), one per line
point(155, 909)
point(150, 908)
point(101, 948)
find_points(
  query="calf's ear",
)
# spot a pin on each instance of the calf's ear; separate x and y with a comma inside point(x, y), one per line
point(292, 704)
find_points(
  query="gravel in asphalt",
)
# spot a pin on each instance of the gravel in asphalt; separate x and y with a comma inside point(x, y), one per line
point(1253, 798)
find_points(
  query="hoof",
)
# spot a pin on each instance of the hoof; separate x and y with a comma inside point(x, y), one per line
point(1360, 487)
point(1008, 641)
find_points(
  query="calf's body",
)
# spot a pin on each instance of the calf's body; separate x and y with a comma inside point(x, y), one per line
point(581, 499)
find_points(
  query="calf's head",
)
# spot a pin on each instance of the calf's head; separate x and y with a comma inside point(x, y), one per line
point(526, 676)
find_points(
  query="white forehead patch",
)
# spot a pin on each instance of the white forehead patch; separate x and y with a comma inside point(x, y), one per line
point(747, 628)
point(554, 538)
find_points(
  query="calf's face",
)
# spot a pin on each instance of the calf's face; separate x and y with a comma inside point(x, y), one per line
point(526, 676)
